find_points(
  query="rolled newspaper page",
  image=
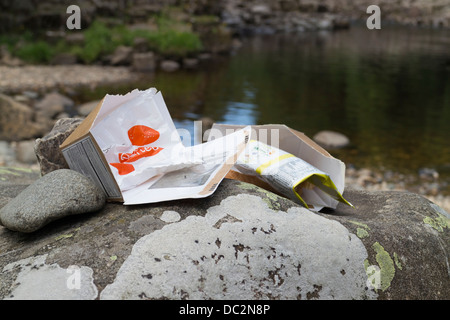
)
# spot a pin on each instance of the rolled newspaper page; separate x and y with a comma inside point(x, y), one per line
point(286, 173)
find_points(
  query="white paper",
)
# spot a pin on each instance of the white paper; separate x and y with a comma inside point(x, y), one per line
point(199, 181)
point(131, 162)
point(147, 158)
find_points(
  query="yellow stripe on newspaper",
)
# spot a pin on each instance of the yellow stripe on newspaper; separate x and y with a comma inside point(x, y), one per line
point(264, 166)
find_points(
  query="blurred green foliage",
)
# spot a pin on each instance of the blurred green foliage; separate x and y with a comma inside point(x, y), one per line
point(35, 52)
point(100, 39)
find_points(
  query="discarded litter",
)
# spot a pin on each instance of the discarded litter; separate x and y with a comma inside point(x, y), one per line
point(287, 162)
point(130, 147)
point(287, 174)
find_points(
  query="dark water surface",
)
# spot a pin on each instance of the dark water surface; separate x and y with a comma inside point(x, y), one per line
point(388, 90)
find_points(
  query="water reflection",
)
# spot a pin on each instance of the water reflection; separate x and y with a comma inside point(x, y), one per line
point(240, 113)
point(245, 111)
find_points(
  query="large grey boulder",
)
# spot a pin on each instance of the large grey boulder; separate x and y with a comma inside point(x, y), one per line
point(54, 196)
point(242, 242)
point(407, 239)
point(245, 249)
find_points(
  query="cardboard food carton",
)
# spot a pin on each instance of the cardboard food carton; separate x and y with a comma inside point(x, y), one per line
point(297, 144)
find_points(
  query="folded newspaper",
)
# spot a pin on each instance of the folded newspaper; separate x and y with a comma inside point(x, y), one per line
point(287, 162)
point(284, 172)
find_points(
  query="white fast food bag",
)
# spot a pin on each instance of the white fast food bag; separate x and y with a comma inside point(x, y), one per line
point(138, 138)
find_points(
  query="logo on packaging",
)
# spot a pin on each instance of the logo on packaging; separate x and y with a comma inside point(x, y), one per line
point(140, 136)
point(138, 154)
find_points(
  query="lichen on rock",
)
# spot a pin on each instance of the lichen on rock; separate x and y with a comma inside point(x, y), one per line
point(255, 252)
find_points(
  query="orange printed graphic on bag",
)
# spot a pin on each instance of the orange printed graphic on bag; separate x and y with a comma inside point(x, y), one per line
point(141, 136)
point(124, 168)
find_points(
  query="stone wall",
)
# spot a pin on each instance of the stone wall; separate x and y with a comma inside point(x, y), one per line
point(284, 15)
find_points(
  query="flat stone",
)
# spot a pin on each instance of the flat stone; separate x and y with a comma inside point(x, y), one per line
point(169, 65)
point(331, 139)
point(56, 195)
point(407, 237)
point(261, 9)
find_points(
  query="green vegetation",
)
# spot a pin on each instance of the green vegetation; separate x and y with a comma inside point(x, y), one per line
point(169, 38)
point(26, 48)
point(101, 40)
point(175, 43)
point(35, 52)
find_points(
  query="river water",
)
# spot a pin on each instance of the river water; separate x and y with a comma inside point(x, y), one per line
point(388, 90)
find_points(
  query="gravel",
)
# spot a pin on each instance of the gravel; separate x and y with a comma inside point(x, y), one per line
point(44, 78)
